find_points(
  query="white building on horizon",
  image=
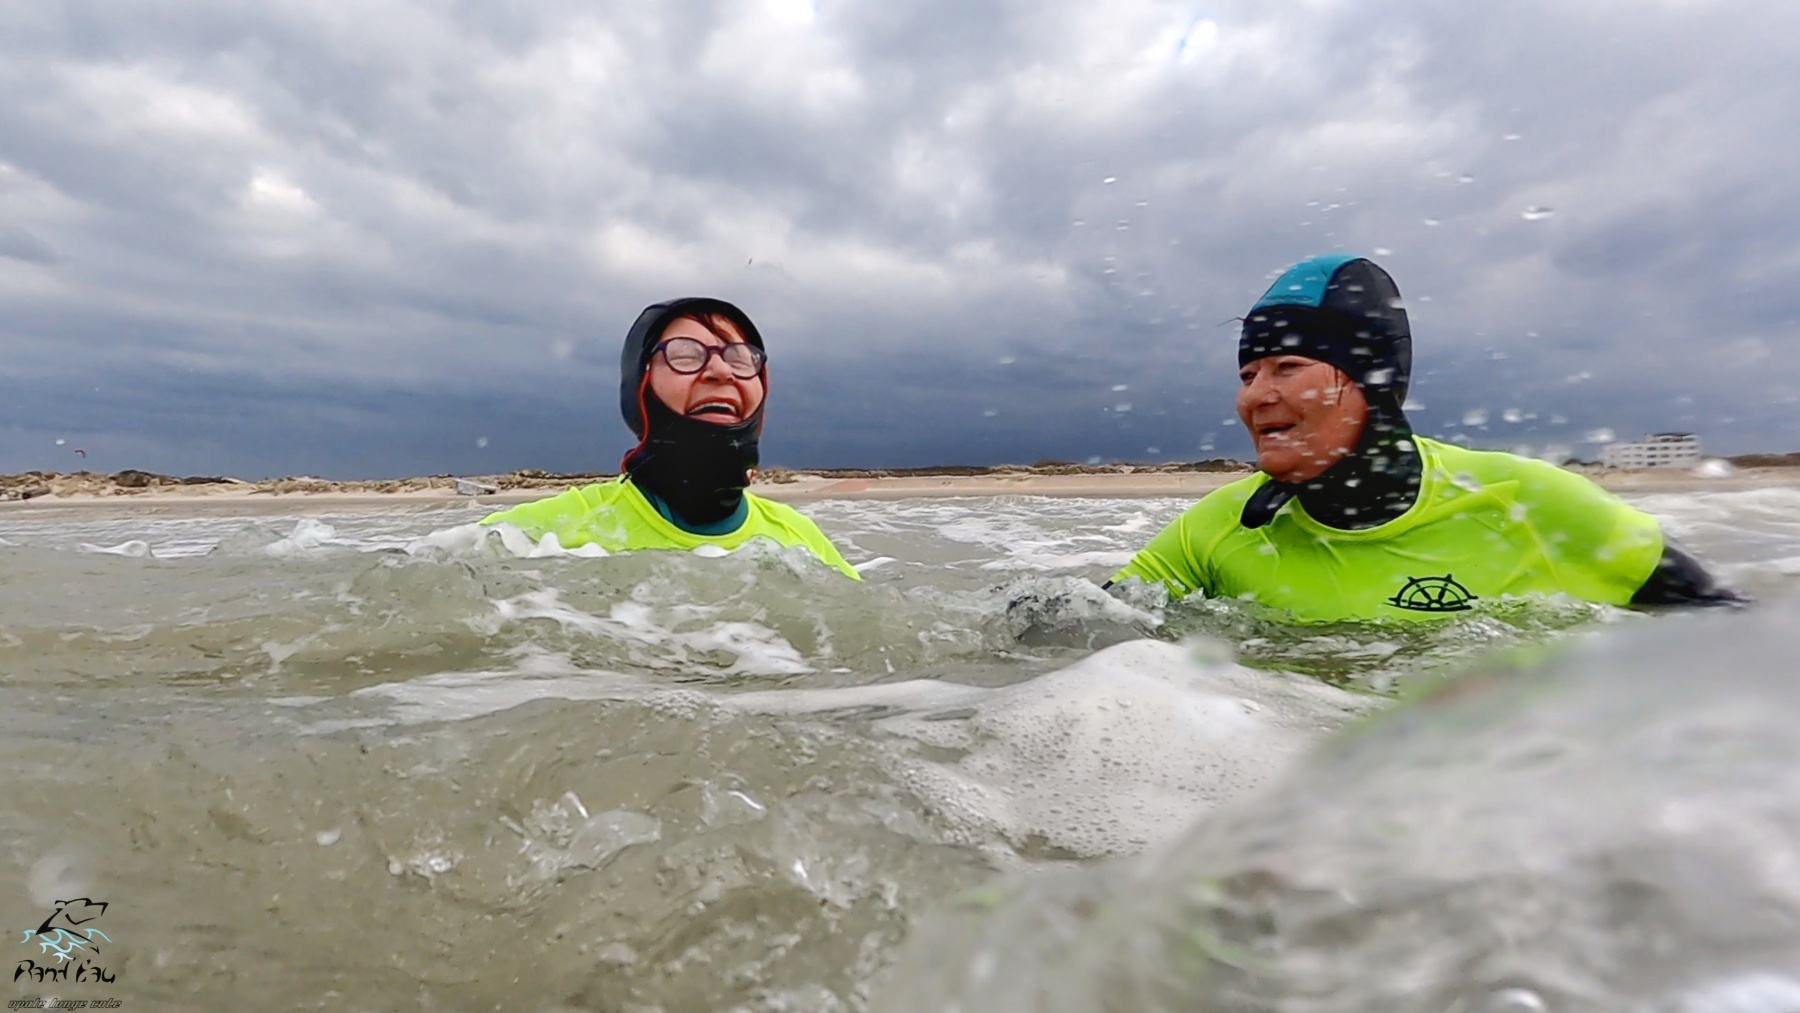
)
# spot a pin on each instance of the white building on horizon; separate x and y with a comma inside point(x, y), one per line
point(1655, 450)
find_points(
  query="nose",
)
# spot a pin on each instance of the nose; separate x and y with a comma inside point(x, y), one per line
point(715, 369)
point(1261, 388)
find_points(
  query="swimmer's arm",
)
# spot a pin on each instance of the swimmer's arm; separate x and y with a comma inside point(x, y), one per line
point(1682, 579)
point(559, 513)
point(799, 529)
point(1168, 560)
point(832, 557)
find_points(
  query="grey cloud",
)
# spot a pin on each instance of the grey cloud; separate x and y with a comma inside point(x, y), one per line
point(18, 244)
point(396, 228)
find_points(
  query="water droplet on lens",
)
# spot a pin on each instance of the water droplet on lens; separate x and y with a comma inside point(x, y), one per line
point(1600, 435)
point(1476, 417)
point(990, 413)
point(1465, 178)
point(1110, 179)
point(1122, 407)
point(1513, 415)
point(1510, 137)
point(1536, 214)
point(1382, 251)
point(1431, 221)
point(481, 441)
point(1121, 386)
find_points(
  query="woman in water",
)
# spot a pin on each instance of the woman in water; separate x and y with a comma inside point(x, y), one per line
point(1352, 516)
point(692, 381)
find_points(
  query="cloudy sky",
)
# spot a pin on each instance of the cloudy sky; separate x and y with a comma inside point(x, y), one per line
point(375, 239)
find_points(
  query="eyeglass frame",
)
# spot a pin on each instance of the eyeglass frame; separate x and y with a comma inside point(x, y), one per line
point(761, 357)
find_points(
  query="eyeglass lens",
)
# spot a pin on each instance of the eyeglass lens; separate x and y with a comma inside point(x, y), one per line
point(689, 355)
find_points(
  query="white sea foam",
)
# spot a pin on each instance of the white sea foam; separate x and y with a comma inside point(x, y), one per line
point(135, 549)
point(1012, 534)
point(753, 648)
point(308, 535)
point(1121, 750)
point(481, 539)
point(1113, 754)
point(931, 540)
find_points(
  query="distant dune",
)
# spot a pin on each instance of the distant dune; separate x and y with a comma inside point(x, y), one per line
point(33, 484)
point(786, 483)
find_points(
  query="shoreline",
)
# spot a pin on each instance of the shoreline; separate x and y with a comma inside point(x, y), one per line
point(313, 496)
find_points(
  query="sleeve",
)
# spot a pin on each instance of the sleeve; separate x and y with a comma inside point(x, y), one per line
point(1170, 559)
point(829, 553)
point(560, 513)
point(1600, 547)
point(814, 539)
point(1682, 579)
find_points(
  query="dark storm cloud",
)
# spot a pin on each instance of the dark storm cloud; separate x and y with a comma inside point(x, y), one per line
point(301, 237)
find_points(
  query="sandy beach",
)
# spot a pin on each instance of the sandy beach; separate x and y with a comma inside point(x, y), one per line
point(41, 494)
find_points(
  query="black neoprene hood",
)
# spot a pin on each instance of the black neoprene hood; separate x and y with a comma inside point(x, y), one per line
point(1338, 309)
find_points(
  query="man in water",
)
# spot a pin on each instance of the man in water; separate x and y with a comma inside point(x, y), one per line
point(692, 378)
point(1352, 516)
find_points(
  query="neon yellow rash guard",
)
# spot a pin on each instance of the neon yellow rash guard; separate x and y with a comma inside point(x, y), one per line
point(1485, 525)
point(615, 516)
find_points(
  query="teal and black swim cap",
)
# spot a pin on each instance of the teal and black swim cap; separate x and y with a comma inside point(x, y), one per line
point(1340, 309)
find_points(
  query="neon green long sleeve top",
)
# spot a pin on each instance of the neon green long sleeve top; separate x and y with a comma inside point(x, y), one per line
point(615, 516)
point(1485, 525)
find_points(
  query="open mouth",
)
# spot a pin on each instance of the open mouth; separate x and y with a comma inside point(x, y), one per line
point(1274, 429)
point(713, 408)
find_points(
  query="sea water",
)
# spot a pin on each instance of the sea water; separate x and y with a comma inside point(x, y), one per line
point(384, 760)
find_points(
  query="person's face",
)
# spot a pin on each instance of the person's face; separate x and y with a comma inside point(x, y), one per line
point(1303, 415)
point(713, 394)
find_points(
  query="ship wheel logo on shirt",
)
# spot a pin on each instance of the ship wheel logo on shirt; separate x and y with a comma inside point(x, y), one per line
point(1433, 594)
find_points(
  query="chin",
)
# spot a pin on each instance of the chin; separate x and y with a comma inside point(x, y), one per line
point(1287, 467)
point(1277, 465)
